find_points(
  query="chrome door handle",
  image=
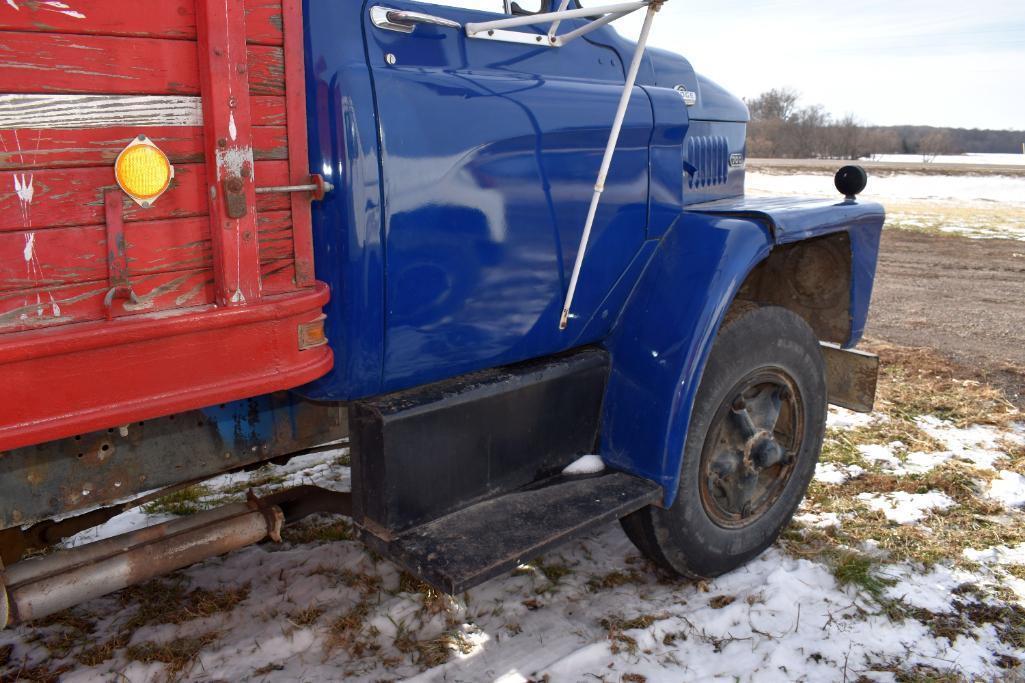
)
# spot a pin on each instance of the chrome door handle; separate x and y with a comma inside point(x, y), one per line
point(405, 22)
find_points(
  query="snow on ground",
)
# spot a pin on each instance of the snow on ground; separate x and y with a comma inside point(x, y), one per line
point(980, 445)
point(833, 473)
point(1008, 489)
point(317, 469)
point(907, 508)
point(971, 159)
point(313, 609)
point(999, 554)
point(975, 206)
point(901, 186)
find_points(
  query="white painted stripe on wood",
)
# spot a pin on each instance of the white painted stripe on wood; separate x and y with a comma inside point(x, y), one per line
point(98, 111)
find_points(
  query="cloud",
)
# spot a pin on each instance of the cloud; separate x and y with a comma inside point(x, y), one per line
point(886, 61)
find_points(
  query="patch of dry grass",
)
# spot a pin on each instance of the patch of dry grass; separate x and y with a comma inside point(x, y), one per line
point(942, 535)
point(40, 673)
point(1015, 570)
point(260, 478)
point(319, 530)
point(1014, 459)
point(306, 617)
point(839, 448)
point(937, 218)
point(915, 382)
point(615, 627)
point(178, 656)
point(552, 571)
point(897, 428)
point(186, 501)
point(349, 631)
point(163, 601)
point(170, 601)
point(432, 652)
point(919, 673)
point(432, 601)
point(616, 578)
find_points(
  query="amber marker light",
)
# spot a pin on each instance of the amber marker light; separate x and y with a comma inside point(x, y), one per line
point(311, 334)
point(143, 171)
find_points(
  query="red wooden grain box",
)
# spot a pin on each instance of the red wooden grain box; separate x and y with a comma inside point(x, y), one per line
point(219, 300)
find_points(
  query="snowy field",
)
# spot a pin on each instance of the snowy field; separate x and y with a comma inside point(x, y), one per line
point(976, 206)
point(907, 562)
point(965, 159)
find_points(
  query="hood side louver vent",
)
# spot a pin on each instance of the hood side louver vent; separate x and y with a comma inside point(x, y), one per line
point(709, 157)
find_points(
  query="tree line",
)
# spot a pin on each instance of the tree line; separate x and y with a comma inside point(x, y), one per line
point(782, 128)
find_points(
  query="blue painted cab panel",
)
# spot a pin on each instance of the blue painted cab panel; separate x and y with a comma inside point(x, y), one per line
point(661, 342)
point(347, 231)
point(708, 173)
point(793, 219)
point(463, 172)
point(489, 152)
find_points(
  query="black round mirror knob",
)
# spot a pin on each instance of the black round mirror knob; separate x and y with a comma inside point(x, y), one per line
point(851, 181)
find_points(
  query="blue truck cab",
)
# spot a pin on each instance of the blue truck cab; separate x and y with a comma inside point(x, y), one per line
point(463, 170)
point(707, 335)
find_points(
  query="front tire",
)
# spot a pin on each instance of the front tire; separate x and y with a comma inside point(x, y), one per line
point(755, 434)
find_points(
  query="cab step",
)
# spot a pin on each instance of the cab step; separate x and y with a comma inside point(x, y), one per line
point(466, 548)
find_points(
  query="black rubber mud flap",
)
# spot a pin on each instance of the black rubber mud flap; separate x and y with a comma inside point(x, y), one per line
point(466, 548)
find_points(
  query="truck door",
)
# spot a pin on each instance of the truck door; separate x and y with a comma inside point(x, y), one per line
point(489, 152)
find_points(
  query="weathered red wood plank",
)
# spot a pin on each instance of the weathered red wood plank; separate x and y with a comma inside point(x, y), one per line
point(295, 83)
point(48, 307)
point(37, 149)
point(62, 256)
point(161, 19)
point(268, 110)
point(223, 71)
point(66, 197)
point(45, 111)
point(50, 62)
point(266, 70)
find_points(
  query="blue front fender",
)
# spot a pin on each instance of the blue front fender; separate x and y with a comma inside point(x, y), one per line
point(662, 339)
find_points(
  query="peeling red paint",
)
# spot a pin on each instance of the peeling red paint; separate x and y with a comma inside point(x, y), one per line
point(176, 346)
point(165, 19)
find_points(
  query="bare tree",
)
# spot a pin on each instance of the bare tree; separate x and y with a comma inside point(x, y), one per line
point(934, 144)
point(778, 104)
point(781, 127)
point(847, 139)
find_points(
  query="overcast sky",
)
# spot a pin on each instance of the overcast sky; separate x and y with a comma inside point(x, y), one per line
point(931, 62)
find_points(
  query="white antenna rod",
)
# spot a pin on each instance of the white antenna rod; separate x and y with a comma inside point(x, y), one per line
point(610, 149)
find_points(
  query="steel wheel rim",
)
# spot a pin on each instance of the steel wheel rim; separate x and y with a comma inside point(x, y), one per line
point(751, 448)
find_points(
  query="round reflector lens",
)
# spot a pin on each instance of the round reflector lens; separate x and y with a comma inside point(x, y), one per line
point(143, 171)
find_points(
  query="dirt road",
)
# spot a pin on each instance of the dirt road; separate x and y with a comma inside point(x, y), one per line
point(962, 297)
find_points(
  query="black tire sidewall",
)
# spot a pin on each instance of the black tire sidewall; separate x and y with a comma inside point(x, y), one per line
point(767, 337)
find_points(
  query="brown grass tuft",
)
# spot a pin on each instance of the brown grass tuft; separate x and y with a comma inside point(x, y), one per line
point(178, 655)
point(169, 601)
point(916, 381)
point(615, 579)
point(318, 531)
point(305, 617)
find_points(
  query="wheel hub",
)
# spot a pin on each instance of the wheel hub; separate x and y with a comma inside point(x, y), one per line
point(751, 448)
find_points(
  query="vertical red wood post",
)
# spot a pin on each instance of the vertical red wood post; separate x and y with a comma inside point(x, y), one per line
point(224, 85)
point(298, 156)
